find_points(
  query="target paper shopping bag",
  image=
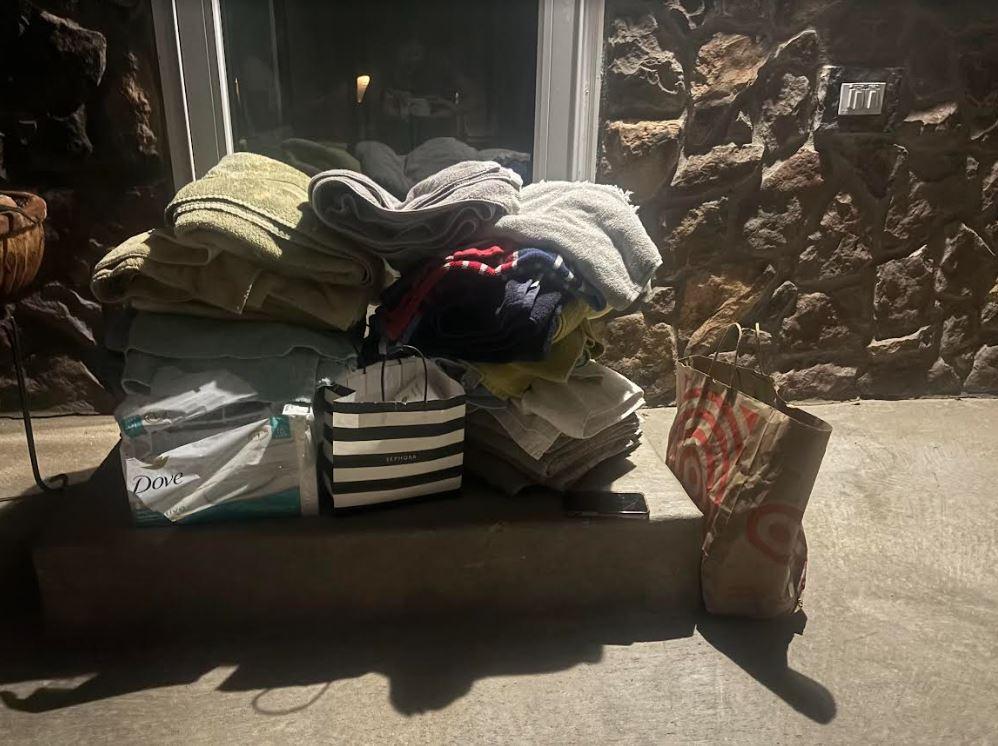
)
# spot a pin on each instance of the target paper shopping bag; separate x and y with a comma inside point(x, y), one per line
point(748, 460)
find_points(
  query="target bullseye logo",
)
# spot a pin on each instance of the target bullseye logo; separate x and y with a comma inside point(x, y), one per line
point(773, 529)
point(709, 434)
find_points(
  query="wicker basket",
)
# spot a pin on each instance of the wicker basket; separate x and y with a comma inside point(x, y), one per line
point(22, 241)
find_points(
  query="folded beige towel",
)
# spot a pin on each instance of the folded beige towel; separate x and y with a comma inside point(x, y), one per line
point(156, 271)
point(565, 463)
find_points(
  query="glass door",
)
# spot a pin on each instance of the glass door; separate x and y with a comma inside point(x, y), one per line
point(393, 88)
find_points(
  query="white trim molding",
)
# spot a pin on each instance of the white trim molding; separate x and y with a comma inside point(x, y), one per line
point(195, 91)
point(175, 114)
point(569, 67)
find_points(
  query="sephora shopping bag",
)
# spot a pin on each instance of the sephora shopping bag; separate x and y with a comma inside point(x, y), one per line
point(749, 461)
point(392, 431)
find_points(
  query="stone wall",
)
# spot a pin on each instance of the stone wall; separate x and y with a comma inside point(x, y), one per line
point(864, 247)
point(81, 125)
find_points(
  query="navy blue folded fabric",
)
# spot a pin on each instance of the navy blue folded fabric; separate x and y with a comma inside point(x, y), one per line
point(488, 322)
point(476, 318)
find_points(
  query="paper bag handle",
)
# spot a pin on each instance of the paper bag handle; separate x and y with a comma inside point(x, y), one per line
point(426, 371)
point(717, 350)
point(738, 344)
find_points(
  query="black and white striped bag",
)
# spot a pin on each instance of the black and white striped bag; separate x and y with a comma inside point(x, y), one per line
point(392, 431)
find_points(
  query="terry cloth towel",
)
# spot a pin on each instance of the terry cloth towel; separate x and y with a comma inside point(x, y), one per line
point(445, 210)
point(312, 157)
point(280, 363)
point(593, 399)
point(573, 342)
point(565, 463)
point(495, 261)
point(155, 271)
point(257, 208)
point(593, 227)
point(399, 173)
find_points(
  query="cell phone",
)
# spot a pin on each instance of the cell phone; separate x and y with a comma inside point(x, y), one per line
point(596, 504)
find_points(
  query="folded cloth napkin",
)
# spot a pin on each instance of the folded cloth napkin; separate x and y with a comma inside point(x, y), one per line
point(442, 211)
point(593, 227)
point(257, 208)
point(591, 400)
point(565, 463)
point(158, 272)
point(312, 156)
point(279, 362)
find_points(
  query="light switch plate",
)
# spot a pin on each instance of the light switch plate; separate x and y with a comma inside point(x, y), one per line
point(856, 99)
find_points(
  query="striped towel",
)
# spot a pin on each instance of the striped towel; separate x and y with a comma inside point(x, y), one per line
point(523, 264)
point(381, 451)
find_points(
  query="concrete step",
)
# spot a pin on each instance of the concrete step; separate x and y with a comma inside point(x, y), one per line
point(479, 554)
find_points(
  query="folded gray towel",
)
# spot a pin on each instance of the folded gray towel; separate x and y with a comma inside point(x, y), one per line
point(565, 463)
point(593, 227)
point(280, 362)
point(440, 214)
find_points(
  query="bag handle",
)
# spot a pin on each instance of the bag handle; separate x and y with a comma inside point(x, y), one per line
point(426, 370)
point(717, 349)
point(738, 344)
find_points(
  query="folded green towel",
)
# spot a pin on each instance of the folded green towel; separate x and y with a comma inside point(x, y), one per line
point(156, 271)
point(257, 208)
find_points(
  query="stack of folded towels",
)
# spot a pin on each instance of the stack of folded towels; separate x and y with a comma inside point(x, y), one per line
point(244, 302)
point(242, 243)
point(504, 285)
point(254, 292)
point(242, 278)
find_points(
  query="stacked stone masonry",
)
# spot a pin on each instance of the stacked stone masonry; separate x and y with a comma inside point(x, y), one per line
point(864, 247)
point(81, 125)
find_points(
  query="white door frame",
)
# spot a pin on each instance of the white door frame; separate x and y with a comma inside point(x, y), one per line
point(566, 112)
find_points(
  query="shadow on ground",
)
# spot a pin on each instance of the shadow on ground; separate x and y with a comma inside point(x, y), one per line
point(21, 520)
point(760, 648)
point(429, 667)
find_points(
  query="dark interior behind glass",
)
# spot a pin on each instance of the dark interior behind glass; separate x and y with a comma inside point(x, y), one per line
point(312, 80)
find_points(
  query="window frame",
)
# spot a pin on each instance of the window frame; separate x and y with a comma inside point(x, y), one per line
point(191, 57)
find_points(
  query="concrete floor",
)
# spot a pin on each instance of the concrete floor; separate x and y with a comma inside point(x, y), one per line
point(74, 444)
point(899, 644)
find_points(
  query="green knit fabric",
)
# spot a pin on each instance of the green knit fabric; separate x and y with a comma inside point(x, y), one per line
point(158, 272)
point(257, 208)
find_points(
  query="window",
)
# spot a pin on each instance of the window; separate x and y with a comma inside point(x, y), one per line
point(394, 88)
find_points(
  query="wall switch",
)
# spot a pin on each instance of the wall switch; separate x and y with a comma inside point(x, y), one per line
point(861, 98)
